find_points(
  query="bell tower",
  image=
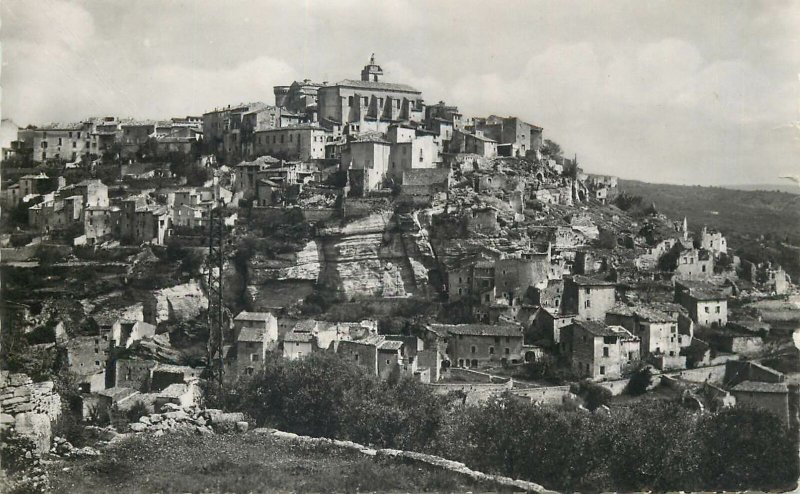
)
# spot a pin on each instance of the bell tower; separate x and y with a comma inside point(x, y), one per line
point(371, 71)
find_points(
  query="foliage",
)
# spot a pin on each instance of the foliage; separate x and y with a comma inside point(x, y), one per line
point(653, 446)
point(639, 381)
point(750, 448)
point(13, 448)
point(136, 411)
point(551, 149)
point(593, 394)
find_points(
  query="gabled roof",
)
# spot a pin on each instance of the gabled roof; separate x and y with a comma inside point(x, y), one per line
point(377, 86)
point(596, 328)
point(298, 337)
point(587, 281)
point(478, 329)
point(253, 316)
point(761, 387)
point(251, 334)
point(391, 345)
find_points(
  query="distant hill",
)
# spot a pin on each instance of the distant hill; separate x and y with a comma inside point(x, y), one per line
point(785, 187)
point(737, 213)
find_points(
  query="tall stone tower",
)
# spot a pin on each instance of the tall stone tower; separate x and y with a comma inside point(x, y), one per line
point(371, 71)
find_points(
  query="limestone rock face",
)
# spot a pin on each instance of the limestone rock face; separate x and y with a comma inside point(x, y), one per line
point(180, 302)
point(380, 255)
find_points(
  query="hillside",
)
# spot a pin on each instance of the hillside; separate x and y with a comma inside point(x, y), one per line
point(737, 213)
point(243, 463)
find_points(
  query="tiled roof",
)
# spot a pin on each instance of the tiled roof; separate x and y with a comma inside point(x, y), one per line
point(377, 86)
point(479, 329)
point(251, 334)
point(391, 345)
point(600, 329)
point(761, 387)
point(305, 326)
point(253, 316)
point(296, 337)
point(585, 280)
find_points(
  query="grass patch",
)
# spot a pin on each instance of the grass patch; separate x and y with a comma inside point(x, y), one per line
point(244, 463)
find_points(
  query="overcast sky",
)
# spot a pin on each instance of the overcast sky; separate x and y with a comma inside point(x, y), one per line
point(695, 92)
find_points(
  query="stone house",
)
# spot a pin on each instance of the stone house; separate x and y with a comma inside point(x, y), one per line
point(759, 386)
point(262, 321)
point(482, 220)
point(369, 155)
point(379, 356)
point(472, 345)
point(694, 264)
point(599, 351)
point(713, 241)
point(659, 332)
point(548, 297)
point(589, 298)
point(299, 142)
point(252, 344)
point(514, 276)
point(514, 137)
point(707, 303)
point(466, 143)
point(551, 324)
point(87, 356)
point(97, 224)
point(297, 344)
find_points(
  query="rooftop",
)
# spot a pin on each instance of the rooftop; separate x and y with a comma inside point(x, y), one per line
point(297, 337)
point(379, 86)
point(587, 281)
point(761, 387)
point(251, 334)
point(253, 316)
point(478, 329)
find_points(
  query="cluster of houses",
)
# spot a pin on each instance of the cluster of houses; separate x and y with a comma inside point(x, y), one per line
point(561, 287)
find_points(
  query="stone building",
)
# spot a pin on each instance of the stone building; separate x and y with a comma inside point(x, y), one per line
point(472, 345)
point(379, 356)
point(299, 142)
point(707, 303)
point(713, 241)
point(513, 136)
point(264, 322)
point(369, 99)
point(588, 298)
point(664, 330)
point(598, 351)
point(694, 264)
point(466, 143)
point(298, 97)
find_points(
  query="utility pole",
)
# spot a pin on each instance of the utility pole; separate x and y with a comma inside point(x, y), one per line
point(216, 260)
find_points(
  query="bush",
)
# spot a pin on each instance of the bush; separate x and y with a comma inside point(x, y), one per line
point(594, 395)
point(639, 382)
point(13, 449)
point(137, 411)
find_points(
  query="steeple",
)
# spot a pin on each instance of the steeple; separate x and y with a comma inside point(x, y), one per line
point(371, 71)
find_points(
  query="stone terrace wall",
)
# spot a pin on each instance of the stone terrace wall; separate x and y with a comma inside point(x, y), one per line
point(30, 407)
point(548, 395)
point(19, 394)
point(475, 393)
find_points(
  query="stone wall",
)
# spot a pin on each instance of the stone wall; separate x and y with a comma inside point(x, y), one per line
point(712, 374)
point(473, 393)
point(548, 395)
point(30, 407)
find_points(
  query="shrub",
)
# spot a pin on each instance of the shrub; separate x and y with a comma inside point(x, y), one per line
point(639, 382)
point(13, 449)
point(135, 412)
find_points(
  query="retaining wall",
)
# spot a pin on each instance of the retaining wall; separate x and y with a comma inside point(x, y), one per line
point(430, 460)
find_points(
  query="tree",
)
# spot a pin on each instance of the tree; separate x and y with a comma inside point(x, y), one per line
point(551, 149)
point(595, 395)
point(746, 448)
point(639, 382)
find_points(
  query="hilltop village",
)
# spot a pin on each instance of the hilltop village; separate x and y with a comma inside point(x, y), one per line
point(468, 253)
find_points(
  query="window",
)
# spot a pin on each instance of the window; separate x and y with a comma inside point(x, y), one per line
point(356, 357)
point(473, 349)
point(388, 361)
point(507, 351)
point(491, 350)
point(716, 309)
point(707, 310)
point(605, 351)
point(602, 370)
point(588, 304)
point(249, 371)
point(350, 101)
point(60, 141)
point(97, 363)
point(254, 357)
point(365, 101)
point(74, 144)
